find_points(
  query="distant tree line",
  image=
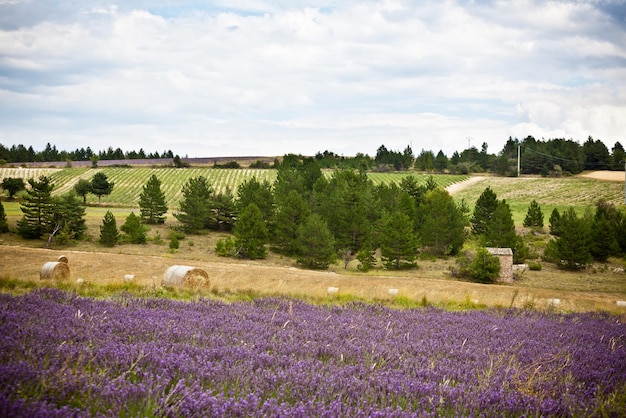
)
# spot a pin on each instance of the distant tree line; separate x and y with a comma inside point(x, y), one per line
point(553, 157)
point(22, 154)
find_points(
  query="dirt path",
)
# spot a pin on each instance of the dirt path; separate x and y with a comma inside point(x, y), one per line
point(604, 175)
point(457, 187)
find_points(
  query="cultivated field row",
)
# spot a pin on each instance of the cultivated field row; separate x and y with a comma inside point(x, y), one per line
point(130, 181)
point(579, 191)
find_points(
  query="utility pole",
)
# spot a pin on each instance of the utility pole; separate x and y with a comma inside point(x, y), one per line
point(624, 181)
point(519, 153)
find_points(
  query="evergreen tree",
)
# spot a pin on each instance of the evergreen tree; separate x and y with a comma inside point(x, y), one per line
point(484, 268)
point(13, 185)
point(398, 242)
point(605, 225)
point(500, 231)
point(37, 209)
point(251, 233)
point(101, 186)
point(573, 243)
point(367, 257)
point(555, 221)
point(224, 211)
point(443, 229)
point(109, 235)
point(534, 216)
point(483, 211)
point(135, 231)
point(603, 242)
point(441, 162)
point(82, 189)
point(69, 217)
point(315, 242)
point(259, 193)
point(4, 226)
point(289, 216)
point(346, 204)
point(152, 202)
point(195, 206)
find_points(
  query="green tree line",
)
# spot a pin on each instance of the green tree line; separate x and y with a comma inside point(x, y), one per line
point(553, 157)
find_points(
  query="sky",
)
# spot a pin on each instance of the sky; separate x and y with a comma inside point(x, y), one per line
point(267, 78)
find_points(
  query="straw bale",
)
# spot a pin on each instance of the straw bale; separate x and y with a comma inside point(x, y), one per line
point(54, 270)
point(63, 259)
point(185, 276)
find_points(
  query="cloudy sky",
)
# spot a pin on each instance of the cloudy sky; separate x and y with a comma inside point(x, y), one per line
point(244, 77)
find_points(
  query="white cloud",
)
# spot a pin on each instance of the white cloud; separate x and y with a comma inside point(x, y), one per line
point(255, 78)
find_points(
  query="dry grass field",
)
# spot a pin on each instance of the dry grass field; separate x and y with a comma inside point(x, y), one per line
point(597, 288)
point(594, 289)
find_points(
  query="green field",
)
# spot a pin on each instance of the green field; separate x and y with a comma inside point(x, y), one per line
point(561, 193)
point(129, 181)
point(578, 192)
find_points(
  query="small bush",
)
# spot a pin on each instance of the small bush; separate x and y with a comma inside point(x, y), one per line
point(225, 247)
point(484, 268)
point(158, 240)
point(534, 266)
point(175, 233)
point(174, 244)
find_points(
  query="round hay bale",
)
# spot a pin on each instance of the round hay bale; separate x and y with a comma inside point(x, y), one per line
point(63, 259)
point(185, 276)
point(54, 270)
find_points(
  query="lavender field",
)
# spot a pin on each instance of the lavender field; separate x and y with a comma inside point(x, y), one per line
point(63, 355)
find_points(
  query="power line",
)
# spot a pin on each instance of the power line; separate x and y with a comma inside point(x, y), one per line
point(552, 156)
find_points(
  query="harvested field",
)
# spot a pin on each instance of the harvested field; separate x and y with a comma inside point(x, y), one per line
point(430, 281)
point(604, 175)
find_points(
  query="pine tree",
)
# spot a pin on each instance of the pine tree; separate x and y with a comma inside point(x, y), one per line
point(289, 216)
point(195, 206)
point(109, 235)
point(251, 233)
point(4, 226)
point(573, 243)
point(152, 202)
point(101, 186)
point(135, 231)
point(398, 242)
point(315, 242)
point(555, 222)
point(484, 268)
point(13, 185)
point(483, 211)
point(68, 218)
point(259, 193)
point(443, 229)
point(605, 225)
point(37, 208)
point(534, 216)
point(82, 189)
point(500, 230)
point(224, 211)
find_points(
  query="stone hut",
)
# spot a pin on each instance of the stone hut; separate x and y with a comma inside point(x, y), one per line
point(505, 255)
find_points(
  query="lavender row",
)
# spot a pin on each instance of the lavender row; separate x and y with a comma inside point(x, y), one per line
point(62, 355)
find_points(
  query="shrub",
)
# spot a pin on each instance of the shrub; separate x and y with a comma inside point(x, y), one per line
point(136, 232)
point(534, 266)
point(225, 247)
point(174, 244)
point(484, 268)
